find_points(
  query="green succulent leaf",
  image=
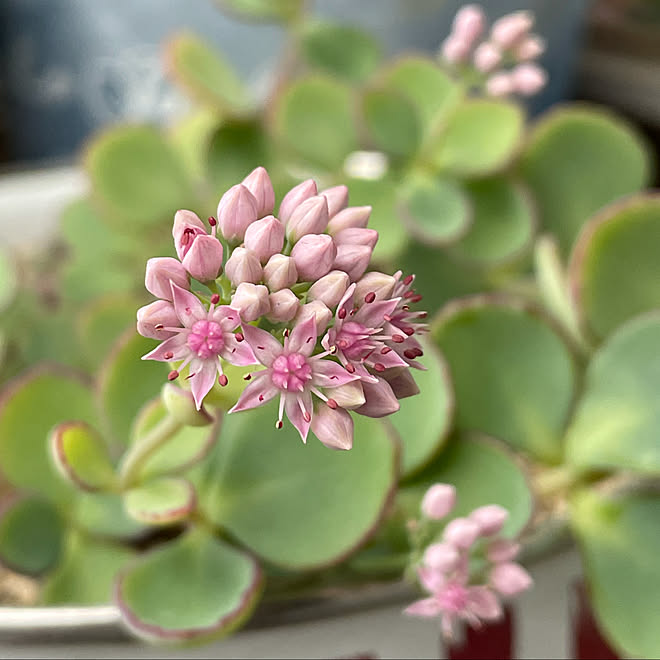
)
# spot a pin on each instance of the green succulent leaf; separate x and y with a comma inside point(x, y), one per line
point(30, 536)
point(8, 280)
point(205, 74)
point(289, 502)
point(620, 544)
point(137, 177)
point(87, 572)
point(513, 376)
point(435, 210)
point(503, 222)
point(211, 589)
point(30, 407)
point(190, 135)
point(340, 50)
point(614, 268)
point(314, 117)
point(617, 422)
point(162, 501)
point(578, 160)
point(103, 515)
point(263, 10)
point(479, 138)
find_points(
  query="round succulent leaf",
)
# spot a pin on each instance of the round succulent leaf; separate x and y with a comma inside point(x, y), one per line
point(103, 515)
point(8, 280)
point(614, 269)
point(341, 50)
point(513, 375)
point(86, 573)
point(480, 137)
point(420, 79)
point(263, 10)
point(205, 74)
point(161, 501)
point(30, 536)
point(576, 161)
point(503, 222)
point(435, 209)
point(81, 456)
point(290, 502)
point(193, 589)
point(617, 421)
point(424, 420)
point(137, 176)
point(126, 381)
point(620, 543)
point(190, 135)
point(30, 406)
point(314, 117)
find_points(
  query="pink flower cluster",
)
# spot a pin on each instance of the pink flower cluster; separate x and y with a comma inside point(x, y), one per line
point(444, 571)
point(506, 57)
point(293, 298)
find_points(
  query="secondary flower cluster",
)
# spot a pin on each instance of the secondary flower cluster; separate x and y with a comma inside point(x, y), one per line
point(506, 57)
point(293, 297)
point(444, 571)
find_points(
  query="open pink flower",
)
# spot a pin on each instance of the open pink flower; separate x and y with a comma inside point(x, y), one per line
point(205, 339)
point(294, 373)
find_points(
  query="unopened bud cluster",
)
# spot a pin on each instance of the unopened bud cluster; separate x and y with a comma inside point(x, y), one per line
point(505, 57)
point(291, 294)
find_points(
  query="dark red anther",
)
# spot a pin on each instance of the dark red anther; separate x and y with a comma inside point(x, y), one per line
point(416, 298)
point(286, 332)
point(408, 279)
point(239, 336)
point(350, 368)
point(398, 339)
point(405, 308)
point(355, 309)
point(379, 366)
point(212, 221)
point(385, 350)
point(408, 331)
point(173, 375)
point(169, 355)
point(332, 404)
point(342, 313)
point(278, 424)
point(261, 397)
point(159, 326)
point(223, 380)
point(410, 353)
point(370, 297)
point(408, 294)
point(215, 299)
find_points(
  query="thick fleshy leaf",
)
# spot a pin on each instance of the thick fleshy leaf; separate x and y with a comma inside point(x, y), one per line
point(314, 117)
point(614, 268)
point(81, 456)
point(103, 516)
point(288, 501)
point(617, 422)
point(483, 472)
point(578, 160)
point(263, 10)
point(479, 137)
point(210, 589)
point(87, 572)
point(190, 135)
point(137, 177)
point(341, 50)
point(29, 408)
point(513, 376)
point(30, 536)
point(425, 418)
point(503, 222)
point(161, 501)
point(7, 280)
point(391, 121)
point(206, 75)
point(423, 82)
point(620, 543)
point(435, 210)
point(126, 382)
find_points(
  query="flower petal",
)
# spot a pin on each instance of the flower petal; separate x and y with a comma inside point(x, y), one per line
point(187, 306)
point(347, 396)
point(347, 300)
point(294, 411)
point(176, 345)
point(228, 317)
point(265, 347)
point(259, 391)
point(388, 360)
point(203, 380)
point(373, 314)
point(431, 579)
point(426, 607)
point(483, 603)
point(380, 399)
point(303, 337)
point(327, 373)
point(333, 427)
point(237, 353)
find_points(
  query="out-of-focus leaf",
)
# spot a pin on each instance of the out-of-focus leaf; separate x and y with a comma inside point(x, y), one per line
point(263, 10)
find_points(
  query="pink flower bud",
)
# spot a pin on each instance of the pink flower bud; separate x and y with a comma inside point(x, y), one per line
point(333, 427)
point(500, 84)
point(259, 184)
point(322, 315)
point(296, 196)
point(160, 272)
point(529, 48)
point(455, 49)
point(330, 288)
point(469, 23)
point(501, 550)
point(442, 557)
point(509, 579)
point(353, 216)
point(186, 227)
point(490, 518)
point(509, 29)
point(348, 396)
point(154, 317)
point(243, 266)
point(380, 284)
point(204, 259)
point(487, 57)
point(438, 501)
point(528, 79)
point(309, 217)
point(237, 210)
point(337, 199)
point(313, 255)
point(353, 259)
point(401, 381)
point(251, 300)
point(280, 272)
point(461, 532)
point(379, 399)
point(284, 306)
point(265, 237)
point(357, 236)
